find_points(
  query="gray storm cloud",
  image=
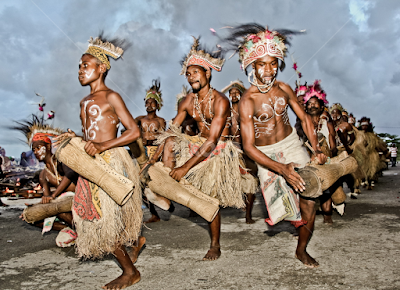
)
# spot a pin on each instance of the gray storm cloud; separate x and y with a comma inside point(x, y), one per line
point(42, 41)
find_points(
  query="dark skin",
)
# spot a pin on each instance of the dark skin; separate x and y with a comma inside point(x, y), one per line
point(342, 130)
point(252, 105)
point(314, 109)
point(104, 136)
point(234, 95)
point(150, 125)
point(42, 151)
point(198, 79)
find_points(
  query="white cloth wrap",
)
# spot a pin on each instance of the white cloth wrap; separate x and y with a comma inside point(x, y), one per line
point(281, 201)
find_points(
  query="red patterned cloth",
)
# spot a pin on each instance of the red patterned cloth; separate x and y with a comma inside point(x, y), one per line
point(83, 204)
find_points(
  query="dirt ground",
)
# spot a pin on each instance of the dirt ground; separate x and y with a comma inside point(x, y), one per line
point(360, 251)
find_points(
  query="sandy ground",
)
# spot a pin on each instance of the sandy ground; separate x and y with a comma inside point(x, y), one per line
point(360, 251)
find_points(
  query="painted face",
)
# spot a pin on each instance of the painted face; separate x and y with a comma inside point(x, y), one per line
point(89, 69)
point(364, 127)
point(313, 106)
point(336, 115)
point(196, 77)
point(266, 69)
point(39, 150)
point(151, 105)
point(234, 95)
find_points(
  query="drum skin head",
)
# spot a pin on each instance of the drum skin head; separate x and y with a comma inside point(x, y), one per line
point(313, 184)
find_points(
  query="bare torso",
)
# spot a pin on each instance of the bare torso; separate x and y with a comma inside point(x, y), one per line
point(150, 128)
point(203, 113)
point(270, 115)
point(99, 121)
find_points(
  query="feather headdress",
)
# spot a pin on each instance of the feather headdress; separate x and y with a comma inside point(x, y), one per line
point(36, 130)
point(154, 92)
point(199, 56)
point(254, 41)
point(316, 91)
point(102, 49)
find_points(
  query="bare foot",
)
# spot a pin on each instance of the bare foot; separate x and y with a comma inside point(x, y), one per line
point(307, 260)
point(153, 219)
point(213, 253)
point(123, 281)
point(328, 220)
point(137, 249)
point(249, 220)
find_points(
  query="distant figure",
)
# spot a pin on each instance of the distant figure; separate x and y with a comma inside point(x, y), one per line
point(393, 154)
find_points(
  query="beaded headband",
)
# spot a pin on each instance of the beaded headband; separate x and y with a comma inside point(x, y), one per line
point(102, 50)
point(261, 44)
point(201, 58)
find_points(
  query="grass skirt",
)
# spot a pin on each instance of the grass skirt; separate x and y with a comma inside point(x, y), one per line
point(219, 175)
point(101, 224)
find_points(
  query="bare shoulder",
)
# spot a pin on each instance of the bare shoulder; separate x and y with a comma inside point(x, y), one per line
point(113, 96)
point(139, 118)
point(220, 98)
point(285, 87)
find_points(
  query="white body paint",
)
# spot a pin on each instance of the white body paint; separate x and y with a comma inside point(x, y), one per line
point(149, 128)
point(94, 117)
point(278, 108)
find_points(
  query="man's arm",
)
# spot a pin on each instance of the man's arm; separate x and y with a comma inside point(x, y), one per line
point(332, 141)
point(131, 133)
point(306, 122)
point(221, 113)
point(246, 112)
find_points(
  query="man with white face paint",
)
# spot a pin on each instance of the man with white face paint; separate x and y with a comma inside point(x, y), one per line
point(267, 136)
point(102, 225)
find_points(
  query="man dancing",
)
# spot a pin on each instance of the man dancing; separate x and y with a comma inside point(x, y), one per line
point(102, 225)
point(151, 125)
point(344, 131)
point(267, 136)
point(207, 161)
point(315, 101)
point(250, 184)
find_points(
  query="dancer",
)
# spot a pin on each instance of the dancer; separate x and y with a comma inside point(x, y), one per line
point(267, 136)
point(102, 225)
point(208, 161)
point(151, 125)
point(250, 183)
point(315, 101)
point(344, 131)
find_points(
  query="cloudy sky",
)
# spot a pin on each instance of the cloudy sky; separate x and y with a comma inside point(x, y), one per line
point(353, 47)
